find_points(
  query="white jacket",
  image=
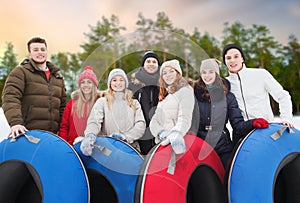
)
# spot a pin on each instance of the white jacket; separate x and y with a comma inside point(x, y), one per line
point(120, 119)
point(252, 86)
point(174, 112)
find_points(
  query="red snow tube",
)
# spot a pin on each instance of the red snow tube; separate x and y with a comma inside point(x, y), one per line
point(198, 175)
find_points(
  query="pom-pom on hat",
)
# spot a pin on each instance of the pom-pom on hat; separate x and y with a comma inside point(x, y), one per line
point(115, 72)
point(88, 73)
point(232, 46)
point(173, 64)
point(210, 64)
point(150, 54)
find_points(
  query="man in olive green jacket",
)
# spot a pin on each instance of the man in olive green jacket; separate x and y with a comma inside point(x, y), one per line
point(34, 94)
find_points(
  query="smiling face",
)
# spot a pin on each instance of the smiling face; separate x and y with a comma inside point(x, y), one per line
point(208, 76)
point(234, 60)
point(38, 52)
point(86, 86)
point(118, 83)
point(169, 75)
point(151, 65)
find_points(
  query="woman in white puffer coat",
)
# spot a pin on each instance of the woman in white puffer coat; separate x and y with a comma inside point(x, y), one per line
point(173, 116)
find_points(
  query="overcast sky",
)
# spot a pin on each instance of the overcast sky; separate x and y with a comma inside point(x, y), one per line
point(63, 22)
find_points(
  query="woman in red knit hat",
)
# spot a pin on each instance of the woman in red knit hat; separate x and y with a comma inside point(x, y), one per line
point(77, 110)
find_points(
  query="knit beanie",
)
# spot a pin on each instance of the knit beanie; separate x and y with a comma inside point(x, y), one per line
point(88, 73)
point(232, 46)
point(115, 72)
point(150, 54)
point(173, 64)
point(210, 64)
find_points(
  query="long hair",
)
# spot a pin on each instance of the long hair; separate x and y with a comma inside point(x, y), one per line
point(164, 89)
point(79, 107)
point(110, 97)
point(201, 85)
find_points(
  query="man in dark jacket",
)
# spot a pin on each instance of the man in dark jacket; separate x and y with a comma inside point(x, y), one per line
point(144, 85)
point(34, 94)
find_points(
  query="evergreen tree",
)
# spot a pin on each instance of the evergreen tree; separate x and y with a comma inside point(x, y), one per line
point(7, 63)
point(69, 65)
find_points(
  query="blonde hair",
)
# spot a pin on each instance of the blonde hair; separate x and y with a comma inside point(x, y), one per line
point(127, 96)
point(79, 107)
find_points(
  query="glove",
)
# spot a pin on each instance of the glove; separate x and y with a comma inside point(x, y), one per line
point(119, 136)
point(177, 142)
point(87, 143)
point(78, 139)
point(165, 142)
point(260, 123)
point(163, 134)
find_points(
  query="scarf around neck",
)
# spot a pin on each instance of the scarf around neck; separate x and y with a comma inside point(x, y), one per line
point(147, 78)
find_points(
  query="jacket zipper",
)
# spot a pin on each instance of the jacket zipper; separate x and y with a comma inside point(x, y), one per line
point(243, 96)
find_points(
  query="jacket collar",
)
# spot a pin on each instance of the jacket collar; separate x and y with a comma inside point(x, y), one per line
point(240, 72)
point(31, 65)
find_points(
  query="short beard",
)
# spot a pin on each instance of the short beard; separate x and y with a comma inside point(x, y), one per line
point(39, 63)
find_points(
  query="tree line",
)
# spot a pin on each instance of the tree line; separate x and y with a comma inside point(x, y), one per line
point(107, 47)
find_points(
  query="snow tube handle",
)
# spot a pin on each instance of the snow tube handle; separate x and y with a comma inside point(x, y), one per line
point(104, 150)
point(279, 132)
point(30, 138)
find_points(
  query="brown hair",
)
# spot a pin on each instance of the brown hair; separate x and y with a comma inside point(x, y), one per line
point(201, 85)
point(178, 83)
point(36, 40)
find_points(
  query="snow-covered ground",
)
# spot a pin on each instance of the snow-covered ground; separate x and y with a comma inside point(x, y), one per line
point(296, 121)
point(4, 127)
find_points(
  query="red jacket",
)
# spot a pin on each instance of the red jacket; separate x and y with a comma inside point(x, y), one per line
point(71, 126)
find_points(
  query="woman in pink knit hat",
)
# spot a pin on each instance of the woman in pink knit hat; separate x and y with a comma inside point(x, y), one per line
point(77, 110)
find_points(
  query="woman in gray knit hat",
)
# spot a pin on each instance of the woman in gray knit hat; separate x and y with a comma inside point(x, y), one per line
point(216, 106)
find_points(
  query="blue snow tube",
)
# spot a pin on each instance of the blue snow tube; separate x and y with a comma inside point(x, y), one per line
point(112, 169)
point(266, 167)
point(47, 171)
